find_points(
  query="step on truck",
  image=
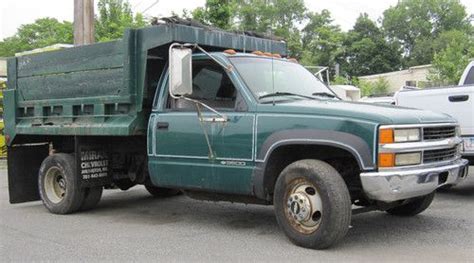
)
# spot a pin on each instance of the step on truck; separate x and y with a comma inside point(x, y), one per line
point(219, 116)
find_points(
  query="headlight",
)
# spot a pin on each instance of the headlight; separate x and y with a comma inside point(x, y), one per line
point(399, 135)
point(399, 159)
point(407, 159)
point(407, 135)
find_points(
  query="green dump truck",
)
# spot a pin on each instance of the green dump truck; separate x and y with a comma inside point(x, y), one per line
point(218, 116)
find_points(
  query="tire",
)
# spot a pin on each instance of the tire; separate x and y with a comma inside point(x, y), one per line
point(91, 198)
point(161, 192)
point(58, 186)
point(330, 214)
point(445, 187)
point(414, 207)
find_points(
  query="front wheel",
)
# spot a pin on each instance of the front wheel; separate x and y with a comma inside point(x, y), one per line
point(414, 207)
point(312, 204)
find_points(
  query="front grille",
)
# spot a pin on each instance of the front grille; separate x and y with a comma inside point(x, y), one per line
point(437, 133)
point(432, 156)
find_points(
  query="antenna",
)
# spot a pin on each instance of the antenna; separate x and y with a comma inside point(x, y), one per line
point(273, 70)
point(271, 51)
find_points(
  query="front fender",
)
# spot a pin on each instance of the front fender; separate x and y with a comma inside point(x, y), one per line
point(353, 144)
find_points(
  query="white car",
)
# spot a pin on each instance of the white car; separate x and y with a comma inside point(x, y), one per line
point(456, 101)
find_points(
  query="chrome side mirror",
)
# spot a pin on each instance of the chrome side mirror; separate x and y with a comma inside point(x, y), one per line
point(180, 70)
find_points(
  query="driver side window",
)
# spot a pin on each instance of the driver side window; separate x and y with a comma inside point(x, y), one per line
point(211, 85)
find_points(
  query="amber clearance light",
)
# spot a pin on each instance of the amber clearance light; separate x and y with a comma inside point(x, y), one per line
point(386, 136)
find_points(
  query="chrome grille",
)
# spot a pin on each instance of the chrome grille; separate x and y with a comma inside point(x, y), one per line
point(432, 156)
point(437, 133)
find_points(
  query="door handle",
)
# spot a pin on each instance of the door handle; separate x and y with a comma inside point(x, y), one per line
point(458, 98)
point(162, 125)
point(214, 119)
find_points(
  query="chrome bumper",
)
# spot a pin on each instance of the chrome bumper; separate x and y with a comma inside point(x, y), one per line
point(402, 184)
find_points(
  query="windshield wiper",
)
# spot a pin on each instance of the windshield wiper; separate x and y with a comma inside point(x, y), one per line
point(324, 94)
point(275, 94)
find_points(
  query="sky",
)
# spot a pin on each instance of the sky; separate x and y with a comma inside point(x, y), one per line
point(14, 13)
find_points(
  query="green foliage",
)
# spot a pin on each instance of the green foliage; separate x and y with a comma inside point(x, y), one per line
point(274, 17)
point(366, 50)
point(412, 32)
point(340, 80)
point(43, 32)
point(322, 40)
point(215, 12)
point(416, 24)
point(450, 62)
point(378, 88)
point(114, 17)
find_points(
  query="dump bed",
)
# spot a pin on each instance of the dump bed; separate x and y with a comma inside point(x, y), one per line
point(104, 88)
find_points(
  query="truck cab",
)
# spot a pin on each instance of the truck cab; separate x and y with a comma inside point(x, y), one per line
point(220, 122)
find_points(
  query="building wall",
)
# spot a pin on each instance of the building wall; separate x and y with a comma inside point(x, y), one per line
point(413, 76)
point(3, 67)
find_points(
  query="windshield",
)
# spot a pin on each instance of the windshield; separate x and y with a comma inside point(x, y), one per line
point(288, 77)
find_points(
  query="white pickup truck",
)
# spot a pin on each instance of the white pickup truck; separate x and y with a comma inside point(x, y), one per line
point(456, 101)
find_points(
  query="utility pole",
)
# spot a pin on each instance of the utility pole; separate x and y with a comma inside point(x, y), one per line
point(83, 22)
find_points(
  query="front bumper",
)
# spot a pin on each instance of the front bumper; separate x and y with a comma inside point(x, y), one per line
point(393, 185)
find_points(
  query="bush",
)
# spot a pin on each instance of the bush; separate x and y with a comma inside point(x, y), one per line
point(379, 87)
point(340, 80)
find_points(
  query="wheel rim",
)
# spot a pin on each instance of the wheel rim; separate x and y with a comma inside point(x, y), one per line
point(303, 206)
point(55, 185)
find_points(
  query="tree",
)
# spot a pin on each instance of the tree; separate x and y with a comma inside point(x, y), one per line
point(322, 40)
point(366, 50)
point(114, 17)
point(215, 12)
point(450, 62)
point(273, 17)
point(43, 32)
point(416, 23)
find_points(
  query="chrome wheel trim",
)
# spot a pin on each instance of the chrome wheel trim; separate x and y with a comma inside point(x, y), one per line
point(303, 206)
point(55, 185)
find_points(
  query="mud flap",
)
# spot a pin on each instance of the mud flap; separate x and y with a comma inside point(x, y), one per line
point(92, 162)
point(24, 162)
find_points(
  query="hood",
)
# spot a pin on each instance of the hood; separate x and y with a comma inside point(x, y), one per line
point(382, 114)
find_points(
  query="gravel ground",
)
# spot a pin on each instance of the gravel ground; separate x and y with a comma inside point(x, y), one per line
point(132, 226)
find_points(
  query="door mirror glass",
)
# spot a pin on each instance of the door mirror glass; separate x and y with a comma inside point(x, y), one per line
point(180, 61)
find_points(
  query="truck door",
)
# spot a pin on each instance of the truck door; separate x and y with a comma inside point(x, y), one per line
point(179, 154)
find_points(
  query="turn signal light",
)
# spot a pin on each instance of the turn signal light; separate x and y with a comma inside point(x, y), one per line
point(386, 136)
point(386, 159)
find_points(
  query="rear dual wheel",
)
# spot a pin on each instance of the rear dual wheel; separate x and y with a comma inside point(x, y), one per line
point(59, 189)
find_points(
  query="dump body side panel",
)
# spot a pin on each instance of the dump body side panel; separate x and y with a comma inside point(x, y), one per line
point(105, 88)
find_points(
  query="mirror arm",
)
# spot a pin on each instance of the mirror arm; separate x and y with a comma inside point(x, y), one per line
point(227, 68)
point(206, 136)
point(223, 116)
